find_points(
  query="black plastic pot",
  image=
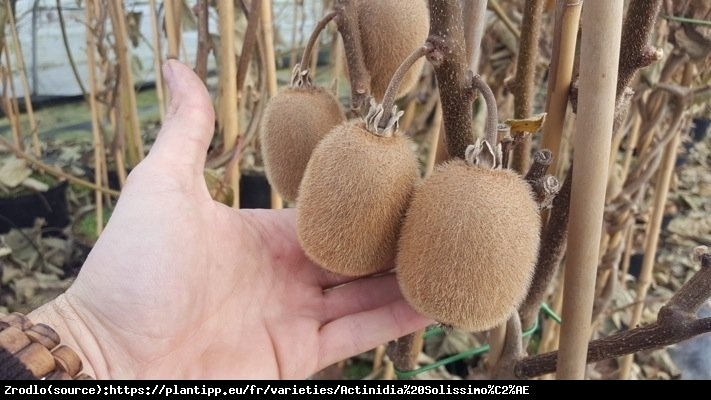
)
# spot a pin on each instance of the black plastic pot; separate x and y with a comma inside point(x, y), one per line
point(254, 191)
point(22, 211)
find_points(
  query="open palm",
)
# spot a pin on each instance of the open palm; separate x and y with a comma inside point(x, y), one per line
point(179, 286)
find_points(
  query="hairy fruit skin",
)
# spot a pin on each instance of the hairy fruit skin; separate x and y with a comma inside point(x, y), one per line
point(468, 245)
point(353, 197)
point(389, 31)
point(294, 121)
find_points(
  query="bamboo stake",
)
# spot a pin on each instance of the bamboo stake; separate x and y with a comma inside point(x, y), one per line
point(227, 88)
point(337, 61)
point(228, 123)
point(434, 140)
point(632, 142)
point(96, 137)
point(474, 13)
point(128, 111)
point(294, 51)
point(600, 50)
point(9, 99)
point(664, 176)
point(270, 72)
point(567, 18)
point(23, 81)
point(172, 27)
point(158, 61)
point(496, 8)
point(269, 61)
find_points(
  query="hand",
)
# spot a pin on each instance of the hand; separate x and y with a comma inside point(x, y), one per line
point(179, 286)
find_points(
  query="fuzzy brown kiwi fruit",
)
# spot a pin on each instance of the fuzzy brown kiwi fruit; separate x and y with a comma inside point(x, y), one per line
point(389, 31)
point(468, 245)
point(353, 197)
point(294, 121)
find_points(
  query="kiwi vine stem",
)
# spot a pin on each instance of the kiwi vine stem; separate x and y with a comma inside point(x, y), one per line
point(249, 43)
point(676, 322)
point(447, 36)
point(524, 85)
point(359, 76)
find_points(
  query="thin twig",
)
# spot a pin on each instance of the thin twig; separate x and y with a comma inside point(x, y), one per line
point(249, 43)
point(72, 63)
point(676, 322)
point(54, 171)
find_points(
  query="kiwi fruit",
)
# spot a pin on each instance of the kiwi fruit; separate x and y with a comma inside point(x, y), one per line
point(293, 122)
point(354, 194)
point(468, 245)
point(389, 31)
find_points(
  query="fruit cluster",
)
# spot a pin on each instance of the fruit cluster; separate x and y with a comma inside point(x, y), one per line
point(463, 241)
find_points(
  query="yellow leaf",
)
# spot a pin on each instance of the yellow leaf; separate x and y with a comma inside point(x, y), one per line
point(530, 124)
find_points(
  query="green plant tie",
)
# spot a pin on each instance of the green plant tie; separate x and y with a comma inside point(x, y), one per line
point(474, 351)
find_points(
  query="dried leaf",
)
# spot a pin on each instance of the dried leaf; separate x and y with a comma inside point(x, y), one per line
point(530, 124)
point(217, 187)
point(14, 171)
point(10, 273)
point(34, 184)
point(4, 251)
point(25, 289)
point(696, 224)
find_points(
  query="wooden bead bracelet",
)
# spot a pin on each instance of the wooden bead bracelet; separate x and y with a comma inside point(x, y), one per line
point(34, 351)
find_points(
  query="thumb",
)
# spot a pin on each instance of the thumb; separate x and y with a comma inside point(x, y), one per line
point(189, 123)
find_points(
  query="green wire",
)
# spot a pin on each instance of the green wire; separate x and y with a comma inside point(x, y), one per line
point(551, 313)
point(685, 20)
point(474, 351)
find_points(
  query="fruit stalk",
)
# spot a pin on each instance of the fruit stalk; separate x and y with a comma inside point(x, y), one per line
point(391, 92)
point(302, 67)
point(492, 112)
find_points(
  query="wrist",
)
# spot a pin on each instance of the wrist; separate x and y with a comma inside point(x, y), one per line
point(62, 318)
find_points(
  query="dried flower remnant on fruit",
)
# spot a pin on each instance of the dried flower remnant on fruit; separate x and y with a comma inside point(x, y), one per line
point(375, 115)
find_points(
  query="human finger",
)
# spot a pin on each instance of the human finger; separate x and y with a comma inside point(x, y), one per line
point(189, 123)
point(357, 333)
point(360, 295)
